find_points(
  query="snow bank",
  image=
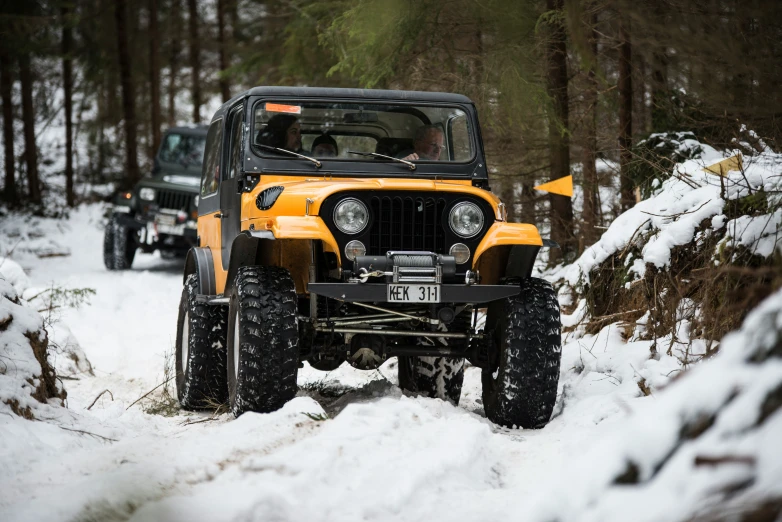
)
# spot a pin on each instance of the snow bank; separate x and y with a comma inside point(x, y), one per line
point(26, 379)
point(709, 439)
point(24, 236)
point(682, 203)
point(14, 275)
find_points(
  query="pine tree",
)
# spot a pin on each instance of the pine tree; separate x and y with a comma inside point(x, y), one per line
point(128, 96)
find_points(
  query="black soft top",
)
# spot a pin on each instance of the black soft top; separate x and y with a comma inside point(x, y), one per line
point(333, 92)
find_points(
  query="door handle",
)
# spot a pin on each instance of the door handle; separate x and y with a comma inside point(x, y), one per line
point(221, 215)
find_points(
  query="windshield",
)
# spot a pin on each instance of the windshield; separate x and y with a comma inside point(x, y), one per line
point(339, 131)
point(184, 149)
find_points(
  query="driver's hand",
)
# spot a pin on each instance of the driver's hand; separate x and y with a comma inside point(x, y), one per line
point(411, 157)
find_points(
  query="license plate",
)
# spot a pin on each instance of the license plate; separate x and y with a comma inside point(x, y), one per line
point(167, 225)
point(165, 219)
point(413, 293)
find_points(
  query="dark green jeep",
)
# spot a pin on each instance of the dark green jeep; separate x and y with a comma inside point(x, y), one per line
point(160, 212)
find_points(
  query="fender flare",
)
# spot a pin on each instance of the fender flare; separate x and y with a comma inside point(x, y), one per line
point(244, 252)
point(521, 258)
point(199, 261)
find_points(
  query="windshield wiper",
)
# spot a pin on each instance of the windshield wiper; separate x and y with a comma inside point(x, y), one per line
point(277, 149)
point(376, 155)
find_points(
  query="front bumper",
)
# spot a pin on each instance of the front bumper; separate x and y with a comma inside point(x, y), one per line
point(377, 293)
point(149, 239)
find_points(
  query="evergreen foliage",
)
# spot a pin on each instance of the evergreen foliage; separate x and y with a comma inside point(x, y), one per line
point(704, 67)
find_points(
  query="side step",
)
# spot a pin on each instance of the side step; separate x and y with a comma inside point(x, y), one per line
point(213, 300)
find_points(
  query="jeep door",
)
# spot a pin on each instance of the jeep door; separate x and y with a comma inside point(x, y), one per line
point(230, 190)
point(209, 200)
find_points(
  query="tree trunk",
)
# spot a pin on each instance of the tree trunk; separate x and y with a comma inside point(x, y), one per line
point(639, 94)
point(128, 101)
point(175, 33)
point(222, 43)
point(559, 146)
point(67, 86)
point(154, 78)
point(659, 77)
point(9, 191)
point(195, 59)
point(625, 115)
point(592, 214)
point(28, 116)
point(659, 92)
point(233, 10)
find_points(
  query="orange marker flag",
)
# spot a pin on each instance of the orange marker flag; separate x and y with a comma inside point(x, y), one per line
point(561, 186)
point(722, 168)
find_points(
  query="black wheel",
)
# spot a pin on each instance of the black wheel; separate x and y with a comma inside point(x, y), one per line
point(119, 245)
point(520, 382)
point(263, 353)
point(200, 351)
point(436, 377)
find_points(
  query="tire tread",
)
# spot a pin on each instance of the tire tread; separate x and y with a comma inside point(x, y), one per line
point(525, 390)
point(264, 301)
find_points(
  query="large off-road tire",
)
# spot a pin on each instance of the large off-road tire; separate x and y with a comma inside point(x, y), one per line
point(200, 351)
point(520, 382)
point(119, 245)
point(263, 351)
point(436, 377)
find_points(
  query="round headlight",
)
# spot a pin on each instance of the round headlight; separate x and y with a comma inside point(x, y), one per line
point(460, 252)
point(466, 219)
point(146, 193)
point(351, 216)
point(354, 249)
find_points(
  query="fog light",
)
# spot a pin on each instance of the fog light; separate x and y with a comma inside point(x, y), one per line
point(355, 248)
point(460, 252)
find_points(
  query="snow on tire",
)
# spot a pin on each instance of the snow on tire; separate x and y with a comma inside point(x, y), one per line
point(520, 383)
point(263, 351)
point(200, 351)
point(119, 246)
point(436, 377)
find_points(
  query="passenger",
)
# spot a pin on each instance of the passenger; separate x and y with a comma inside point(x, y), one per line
point(428, 145)
point(325, 146)
point(282, 131)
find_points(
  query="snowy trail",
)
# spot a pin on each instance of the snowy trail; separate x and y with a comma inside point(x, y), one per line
point(381, 455)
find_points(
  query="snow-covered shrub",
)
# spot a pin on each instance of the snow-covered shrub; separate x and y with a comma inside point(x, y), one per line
point(655, 157)
point(713, 241)
point(27, 380)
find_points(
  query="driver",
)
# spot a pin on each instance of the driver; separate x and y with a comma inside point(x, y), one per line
point(282, 131)
point(429, 143)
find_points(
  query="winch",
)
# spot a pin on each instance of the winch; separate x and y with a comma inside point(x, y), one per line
point(405, 267)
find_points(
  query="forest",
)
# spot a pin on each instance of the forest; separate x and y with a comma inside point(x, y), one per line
point(629, 370)
point(562, 87)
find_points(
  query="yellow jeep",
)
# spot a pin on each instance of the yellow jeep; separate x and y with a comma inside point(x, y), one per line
point(342, 225)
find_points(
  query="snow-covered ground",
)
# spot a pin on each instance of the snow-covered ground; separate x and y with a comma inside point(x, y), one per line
point(369, 454)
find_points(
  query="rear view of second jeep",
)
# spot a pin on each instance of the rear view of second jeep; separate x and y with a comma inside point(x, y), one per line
point(350, 226)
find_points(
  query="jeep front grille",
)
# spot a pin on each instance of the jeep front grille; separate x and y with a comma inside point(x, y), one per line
point(407, 223)
point(173, 200)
